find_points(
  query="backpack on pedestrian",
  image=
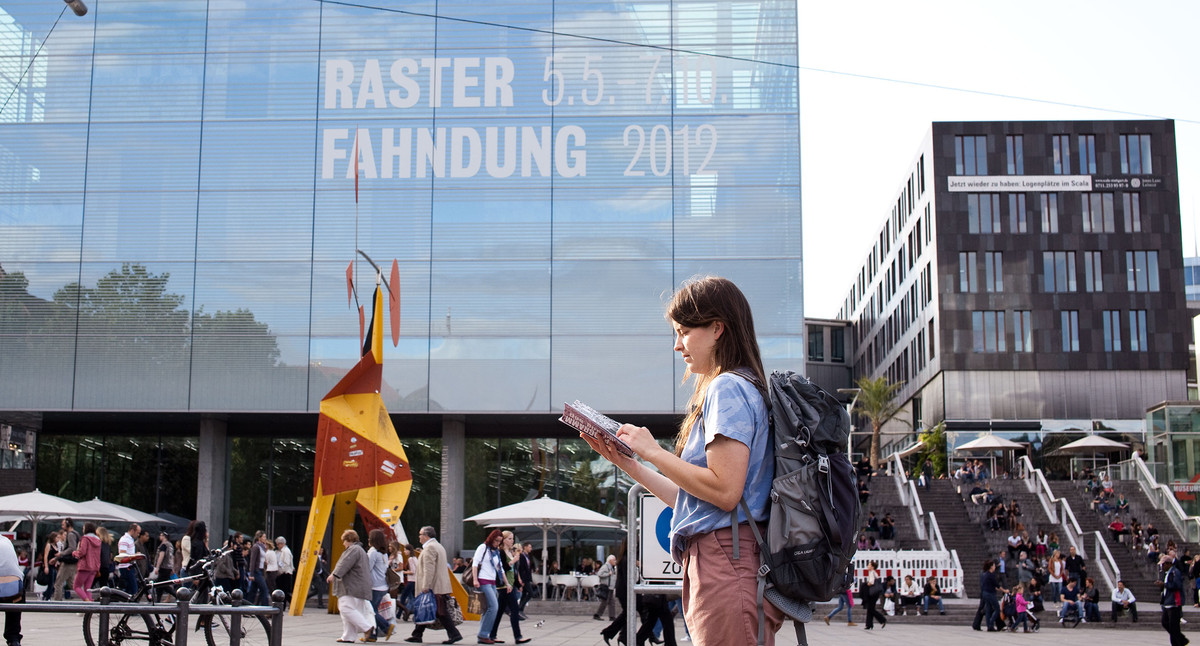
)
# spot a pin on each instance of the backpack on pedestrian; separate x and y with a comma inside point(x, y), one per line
point(815, 514)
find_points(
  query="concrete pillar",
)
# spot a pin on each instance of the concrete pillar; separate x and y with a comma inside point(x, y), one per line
point(454, 455)
point(212, 487)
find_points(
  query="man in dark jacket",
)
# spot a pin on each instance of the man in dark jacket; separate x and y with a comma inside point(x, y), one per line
point(1171, 582)
point(525, 577)
point(1076, 567)
point(989, 605)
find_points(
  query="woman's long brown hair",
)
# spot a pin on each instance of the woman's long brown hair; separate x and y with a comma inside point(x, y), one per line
point(699, 302)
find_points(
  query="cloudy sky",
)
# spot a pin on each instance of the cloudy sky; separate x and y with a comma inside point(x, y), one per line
point(875, 74)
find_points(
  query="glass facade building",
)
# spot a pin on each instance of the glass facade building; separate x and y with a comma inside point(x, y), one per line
point(183, 186)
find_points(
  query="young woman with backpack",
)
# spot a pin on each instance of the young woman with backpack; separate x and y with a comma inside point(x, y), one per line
point(723, 453)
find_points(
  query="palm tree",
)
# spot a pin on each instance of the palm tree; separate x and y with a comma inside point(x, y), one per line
point(877, 403)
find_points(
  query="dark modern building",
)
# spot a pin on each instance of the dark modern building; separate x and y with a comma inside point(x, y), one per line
point(828, 353)
point(183, 186)
point(1029, 279)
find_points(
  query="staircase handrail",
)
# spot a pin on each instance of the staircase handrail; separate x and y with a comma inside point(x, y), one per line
point(935, 538)
point(909, 498)
point(1057, 509)
point(1161, 497)
point(1110, 577)
point(934, 532)
point(1060, 510)
point(958, 570)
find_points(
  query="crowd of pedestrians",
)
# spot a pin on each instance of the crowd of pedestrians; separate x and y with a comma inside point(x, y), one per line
point(73, 563)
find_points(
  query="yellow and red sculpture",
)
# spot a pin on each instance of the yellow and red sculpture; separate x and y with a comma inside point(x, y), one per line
point(360, 465)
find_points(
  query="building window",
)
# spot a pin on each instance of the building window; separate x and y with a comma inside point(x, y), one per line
point(1135, 154)
point(1137, 331)
point(1132, 206)
point(837, 346)
point(970, 155)
point(1070, 331)
point(993, 271)
point(1049, 212)
point(816, 344)
point(1097, 212)
point(1062, 154)
point(1093, 276)
point(987, 331)
point(983, 213)
point(1087, 154)
point(1058, 271)
point(1015, 145)
point(1022, 331)
point(968, 281)
point(932, 341)
point(1112, 330)
point(1016, 213)
point(927, 285)
point(1141, 271)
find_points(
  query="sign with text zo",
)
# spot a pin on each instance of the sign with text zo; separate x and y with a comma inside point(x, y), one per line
point(654, 543)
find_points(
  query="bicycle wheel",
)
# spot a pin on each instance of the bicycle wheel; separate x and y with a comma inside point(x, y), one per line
point(255, 631)
point(122, 627)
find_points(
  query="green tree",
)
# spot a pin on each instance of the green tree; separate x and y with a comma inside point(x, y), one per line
point(130, 303)
point(877, 402)
point(235, 335)
point(933, 442)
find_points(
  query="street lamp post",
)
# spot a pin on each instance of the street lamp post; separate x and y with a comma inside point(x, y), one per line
point(850, 411)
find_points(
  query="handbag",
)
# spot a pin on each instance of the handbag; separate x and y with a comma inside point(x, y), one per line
point(453, 610)
point(393, 582)
point(469, 580)
point(67, 558)
point(875, 589)
point(475, 603)
point(42, 578)
point(602, 592)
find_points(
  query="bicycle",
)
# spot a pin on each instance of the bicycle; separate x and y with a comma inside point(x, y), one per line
point(159, 629)
point(252, 632)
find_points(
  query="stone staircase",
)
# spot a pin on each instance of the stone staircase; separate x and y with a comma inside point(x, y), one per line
point(959, 530)
point(885, 499)
point(1138, 573)
point(1033, 518)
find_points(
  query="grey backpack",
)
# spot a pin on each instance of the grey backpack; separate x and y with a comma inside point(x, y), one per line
point(815, 513)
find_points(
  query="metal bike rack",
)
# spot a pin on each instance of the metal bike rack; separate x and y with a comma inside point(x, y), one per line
point(181, 610)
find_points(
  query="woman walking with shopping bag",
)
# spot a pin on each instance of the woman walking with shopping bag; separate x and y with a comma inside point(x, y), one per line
point(351, 584)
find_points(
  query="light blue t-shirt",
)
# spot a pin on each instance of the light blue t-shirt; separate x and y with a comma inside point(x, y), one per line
point(733, 408)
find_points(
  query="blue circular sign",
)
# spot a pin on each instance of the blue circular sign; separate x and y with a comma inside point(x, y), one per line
point(662, 529)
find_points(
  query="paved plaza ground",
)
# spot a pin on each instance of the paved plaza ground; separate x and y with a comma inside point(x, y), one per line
point(316, 627)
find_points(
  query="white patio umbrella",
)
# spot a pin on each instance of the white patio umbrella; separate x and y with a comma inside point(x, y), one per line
point(1090, 445)
point(121, 512)
point(36, 506)
point(989, 442)
point(547, 513)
